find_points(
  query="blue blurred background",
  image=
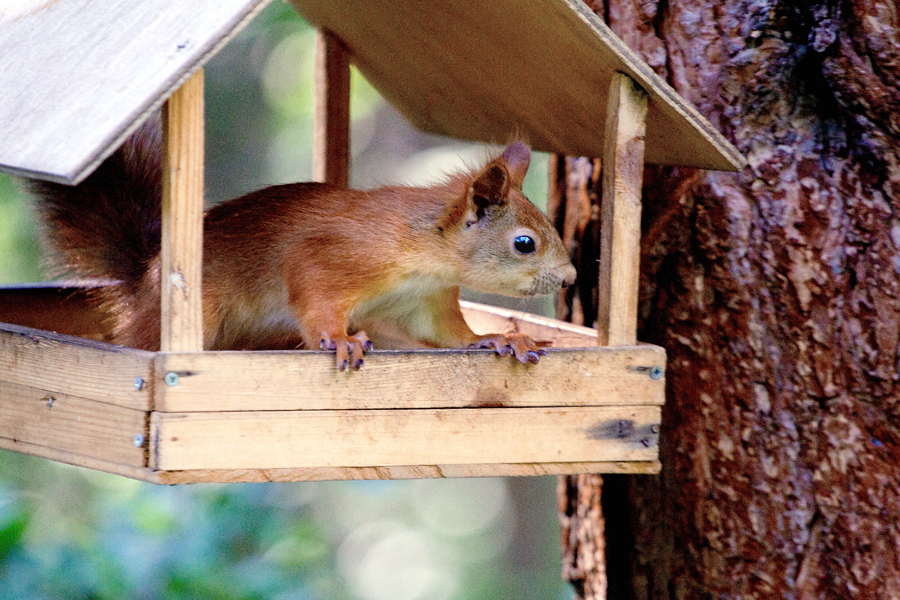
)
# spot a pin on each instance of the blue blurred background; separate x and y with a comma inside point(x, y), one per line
point(69, 533)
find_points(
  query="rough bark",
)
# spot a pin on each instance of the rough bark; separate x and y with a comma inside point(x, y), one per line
point(776, 293)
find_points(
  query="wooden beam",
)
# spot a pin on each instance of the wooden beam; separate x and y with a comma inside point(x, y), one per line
point(426, 379)
point(79, 367)
point(620, 210)
point(182, 218)
point(331, 129)
point(374, 438)
point(649, 467)
point(76, 425)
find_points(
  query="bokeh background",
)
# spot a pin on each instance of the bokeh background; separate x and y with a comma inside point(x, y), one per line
point(69, 533)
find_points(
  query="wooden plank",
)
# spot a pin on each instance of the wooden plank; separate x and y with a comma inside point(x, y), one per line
point(76, 460)
point(331, 127)
point(483, 318)
point(620, 213)
point(540, 68)
point(76, 366)
point(181, 252)
point(367, 438)
point(63, 307)
point(398, 472)
point(74, 425)
point(97, 70)
point(304, 380)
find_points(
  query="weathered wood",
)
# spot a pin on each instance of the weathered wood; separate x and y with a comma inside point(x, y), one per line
point(74, 425)
point(394, 472)
point(485, 319)
point(304, 380)
point(620, 213)
point(425, 61)
point(331, 126)
point(366, 438)
point(78, 460)
point(97, 70)
point(71, 365)
point(181, 252)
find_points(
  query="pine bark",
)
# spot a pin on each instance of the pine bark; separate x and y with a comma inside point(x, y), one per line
point(776, 293)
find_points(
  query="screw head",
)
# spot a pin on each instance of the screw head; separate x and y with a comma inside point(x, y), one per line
point(138, 383)
point(171, 379)
point(138, 440)
point(656, 373)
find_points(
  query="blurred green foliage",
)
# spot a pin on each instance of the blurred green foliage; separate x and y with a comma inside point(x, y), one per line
point(73, 534)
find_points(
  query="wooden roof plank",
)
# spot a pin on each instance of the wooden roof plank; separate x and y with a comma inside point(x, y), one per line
point(489, 70)
point(86, 73)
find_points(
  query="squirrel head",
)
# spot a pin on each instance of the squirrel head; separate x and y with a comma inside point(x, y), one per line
point(506, 245)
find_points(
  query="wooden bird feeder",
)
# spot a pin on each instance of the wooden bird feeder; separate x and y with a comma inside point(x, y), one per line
point(183, 415)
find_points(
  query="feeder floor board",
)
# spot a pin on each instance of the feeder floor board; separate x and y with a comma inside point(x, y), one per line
point(190, 417)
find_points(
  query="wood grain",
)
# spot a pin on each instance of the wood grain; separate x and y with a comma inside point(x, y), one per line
point(483, 318)
point(492, 70)
point(181, 252)
point(396, 472)
point(304, 380)
point(71, 365)
point(366, 438)
point(331, 126)
point(97, 70)
point(620, 213)
point(71, 424)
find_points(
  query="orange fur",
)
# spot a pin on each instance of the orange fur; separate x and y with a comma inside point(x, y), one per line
point(317, 264)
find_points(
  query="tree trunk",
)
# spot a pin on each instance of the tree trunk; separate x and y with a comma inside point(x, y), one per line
point(776, 293)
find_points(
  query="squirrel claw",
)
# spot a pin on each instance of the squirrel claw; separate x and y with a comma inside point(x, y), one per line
point(519, 345)
point(348, 350)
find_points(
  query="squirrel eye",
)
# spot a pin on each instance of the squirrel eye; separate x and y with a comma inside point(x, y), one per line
point(524, 244)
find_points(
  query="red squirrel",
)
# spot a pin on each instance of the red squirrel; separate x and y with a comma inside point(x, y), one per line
point(313, 263)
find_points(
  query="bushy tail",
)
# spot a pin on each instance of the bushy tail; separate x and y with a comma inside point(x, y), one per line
point(108, 226)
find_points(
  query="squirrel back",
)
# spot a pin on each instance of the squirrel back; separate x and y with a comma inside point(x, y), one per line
point(311, 263)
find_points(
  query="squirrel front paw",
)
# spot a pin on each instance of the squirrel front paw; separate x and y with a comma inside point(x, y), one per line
point(348, 349)
point(522, 346)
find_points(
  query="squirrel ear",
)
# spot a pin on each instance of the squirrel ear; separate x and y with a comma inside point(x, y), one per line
point(517, 157)
point(491, 187)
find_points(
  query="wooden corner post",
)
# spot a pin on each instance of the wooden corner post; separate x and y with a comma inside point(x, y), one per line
point(331, 129)
point(620, 212)
point(620, 261)
point(182, 218)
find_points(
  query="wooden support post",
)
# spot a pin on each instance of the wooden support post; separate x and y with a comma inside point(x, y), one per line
point(331, 130)
point(620, 212)
point(182, 218)
point(584, 541)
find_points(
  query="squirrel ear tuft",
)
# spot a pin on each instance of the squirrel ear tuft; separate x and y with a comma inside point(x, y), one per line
point(517, 157)
point(491, 187)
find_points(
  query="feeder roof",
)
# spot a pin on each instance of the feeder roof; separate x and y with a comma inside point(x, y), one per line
point(489, 69)
point(78, 76)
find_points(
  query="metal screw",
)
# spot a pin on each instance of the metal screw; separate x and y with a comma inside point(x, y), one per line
point(138, 383)
point(50, 401)
point(171, 379)
point(654, 429)
point(138, 440)
point(656, 373)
